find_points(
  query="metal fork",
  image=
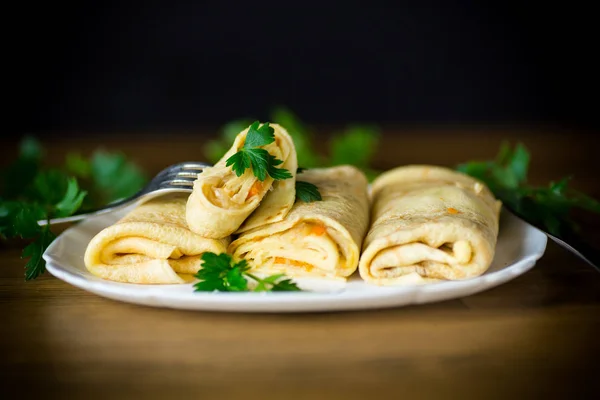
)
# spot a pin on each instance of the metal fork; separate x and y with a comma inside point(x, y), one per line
point(568, 239)
point(175, 178)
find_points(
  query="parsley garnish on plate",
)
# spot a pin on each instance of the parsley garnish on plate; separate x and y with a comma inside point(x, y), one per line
point(220, 273)
point(252, 156)
point(549, 206)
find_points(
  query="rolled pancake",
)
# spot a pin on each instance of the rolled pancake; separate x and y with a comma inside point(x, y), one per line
point(151, 244)
point(223, 203)
point(431, 221)
point(317, 239)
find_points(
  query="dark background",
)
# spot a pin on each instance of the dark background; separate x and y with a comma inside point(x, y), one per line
point(115, 67)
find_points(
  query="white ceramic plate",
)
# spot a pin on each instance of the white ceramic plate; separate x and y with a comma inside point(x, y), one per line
point(519, 246)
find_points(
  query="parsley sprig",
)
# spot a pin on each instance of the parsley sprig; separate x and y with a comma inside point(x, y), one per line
point(252, 156)
point(355, 144)
point(549, 206)
point(32, 192)
point(307, 192)
point(32, 195)
point(220, 273)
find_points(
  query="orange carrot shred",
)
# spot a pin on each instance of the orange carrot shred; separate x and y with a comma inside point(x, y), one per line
point(318, 230)
point(255, 189)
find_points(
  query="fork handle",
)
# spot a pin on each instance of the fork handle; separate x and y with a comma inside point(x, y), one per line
point(79, 217)
point(574, 243)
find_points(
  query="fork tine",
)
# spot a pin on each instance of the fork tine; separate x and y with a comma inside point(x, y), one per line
point(189, 165)
point(184, 166)
point(194, 166)
point(187, 174)
point(183, 170)
point(178, 183)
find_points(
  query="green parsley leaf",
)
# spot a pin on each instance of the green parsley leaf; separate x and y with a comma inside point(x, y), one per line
point(49, 186)
point(274, 283)
point(276, 173)
point(260, 160)
point(550, 206)
point(518, 163)
point(19, 219)
point(71, 201)
point(25, 221)
point(285, 285)
point(307, 192)
point(78, 166)
point(355, 145)
point(32, 192)
point(239, 162)
point(114, 177)
point(34, 251)
point(220, 273)
point(263, 285)
point(477, 169)
point(259, 135)
point(508, 171)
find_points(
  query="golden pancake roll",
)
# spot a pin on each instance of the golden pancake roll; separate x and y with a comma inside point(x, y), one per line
point(317, 239)
point(223, 203)
point(151, 244)
point(432, 221)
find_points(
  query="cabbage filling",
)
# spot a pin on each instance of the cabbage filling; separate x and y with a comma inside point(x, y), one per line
point(227, 190)
point(307, 247)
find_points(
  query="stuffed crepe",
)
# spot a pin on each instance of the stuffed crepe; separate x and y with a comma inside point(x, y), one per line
point(431, 221)
point(317, 239)
point(150, 244)
point(223, 203)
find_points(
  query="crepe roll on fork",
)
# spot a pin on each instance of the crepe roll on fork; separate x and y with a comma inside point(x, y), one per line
point(317, 239)
point(431, 221)
point(223, 202)
point(151, 244)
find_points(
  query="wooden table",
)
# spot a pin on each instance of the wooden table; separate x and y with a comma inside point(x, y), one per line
point(534, 337)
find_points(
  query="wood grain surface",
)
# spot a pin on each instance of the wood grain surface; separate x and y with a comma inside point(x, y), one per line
point(534, 337)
